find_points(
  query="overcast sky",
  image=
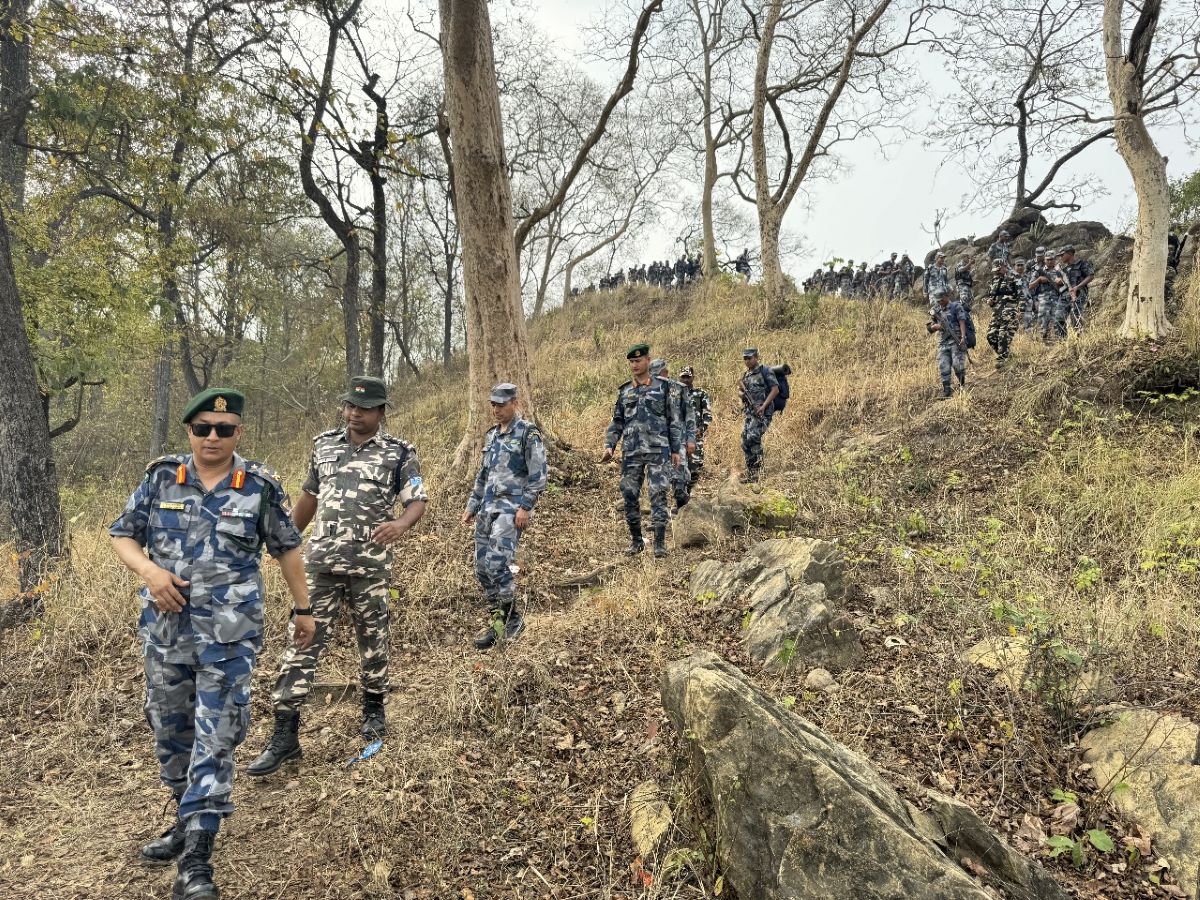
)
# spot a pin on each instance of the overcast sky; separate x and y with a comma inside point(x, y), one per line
point(880, 203)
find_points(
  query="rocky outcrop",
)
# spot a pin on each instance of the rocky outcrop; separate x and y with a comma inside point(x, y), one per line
point(735, 508)
point(1149, 763)
point(800, 817)
point(790, 587)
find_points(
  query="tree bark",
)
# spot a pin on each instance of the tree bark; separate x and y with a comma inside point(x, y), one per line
point(28, 480)
point(496, 337)
point(1145, 304)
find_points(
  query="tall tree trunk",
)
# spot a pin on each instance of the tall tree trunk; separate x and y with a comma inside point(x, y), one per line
point(496, 339)
point(1145, 304)
point(28, 480)
point(706, 202)
point(350, 289)
point(160, 428)
point(769, 216)
point(377, 304)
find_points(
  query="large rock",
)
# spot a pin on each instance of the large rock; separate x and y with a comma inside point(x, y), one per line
point(800, 817)
point(1152, 758)
point(789, 586)
point(734, 509)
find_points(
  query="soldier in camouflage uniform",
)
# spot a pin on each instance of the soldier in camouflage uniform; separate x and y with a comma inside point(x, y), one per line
point(964, 280)
point(758, 389)
point(1001, 247)
point(936, 278)
point(356, 476)
point(652, 439)
point(511, 477)
point(1005, 301)
point(681, 401)
point(194, 531)
point(1020, 275)
point(1041, 286)
point(1073, 299)
point(948, 318)
point(702, 407)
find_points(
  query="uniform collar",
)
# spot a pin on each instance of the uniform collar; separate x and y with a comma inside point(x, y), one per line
point(237, 463)
point(375, 438)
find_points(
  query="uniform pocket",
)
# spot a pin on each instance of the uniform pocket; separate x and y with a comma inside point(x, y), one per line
point(238, 534)
point(168, 531)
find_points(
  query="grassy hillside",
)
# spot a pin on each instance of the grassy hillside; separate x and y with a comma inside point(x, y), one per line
point(1057, 499)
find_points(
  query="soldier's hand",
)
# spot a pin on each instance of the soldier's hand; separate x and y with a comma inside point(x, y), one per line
point(675, 459)
point(691, 448)
point(607, 454)
point(467, 517)
point(388, 533)
point(164, 588)
point(304, 629)
point(522, 520)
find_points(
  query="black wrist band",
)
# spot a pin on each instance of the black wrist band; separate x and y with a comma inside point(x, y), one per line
point(307, 611)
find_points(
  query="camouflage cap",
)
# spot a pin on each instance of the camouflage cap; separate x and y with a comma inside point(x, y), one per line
point(365, 392)
point(1066, 248)
point(503, 392)
point(1040, 251)
point(749, 352)
point(658, 366)
point(637, 351)
point(686, 372)
point(222, 400)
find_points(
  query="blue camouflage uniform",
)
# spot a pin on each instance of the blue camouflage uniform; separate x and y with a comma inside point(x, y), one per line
point(1041, 285)
point(681, 403)
point(755, 386)
point(936, 279)
point(199, 661)
point(964, 280)
point(511, 476)
point(1077, 309)
point(649, 430)
point(951, 355)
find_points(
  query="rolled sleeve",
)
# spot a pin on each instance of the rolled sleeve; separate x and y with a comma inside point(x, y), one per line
point(279, 532)
point(408, 479)
point(535, 464)
point(135, 517)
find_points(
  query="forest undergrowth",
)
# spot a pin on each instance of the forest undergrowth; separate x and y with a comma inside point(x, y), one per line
point(1057, 500)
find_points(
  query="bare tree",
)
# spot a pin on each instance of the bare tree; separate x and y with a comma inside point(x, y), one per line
point(1018, 134)
point(1141, 83)
point(829, 48)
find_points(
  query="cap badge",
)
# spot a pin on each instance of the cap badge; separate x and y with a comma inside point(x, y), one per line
point(219, 405)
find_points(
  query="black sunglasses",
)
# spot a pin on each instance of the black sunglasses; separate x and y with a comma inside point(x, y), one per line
point(204, 429)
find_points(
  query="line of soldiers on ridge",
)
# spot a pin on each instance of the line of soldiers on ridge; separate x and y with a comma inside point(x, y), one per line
point(687, 269)
point(195, 527)
point(891, 278)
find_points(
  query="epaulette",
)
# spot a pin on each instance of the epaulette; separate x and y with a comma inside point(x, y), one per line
point(397, 440)
point(266, 473)
point(625, 385)
point(174, 460)
point(324, 434)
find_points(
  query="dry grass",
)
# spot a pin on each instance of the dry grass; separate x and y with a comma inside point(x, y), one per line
point(507, 775)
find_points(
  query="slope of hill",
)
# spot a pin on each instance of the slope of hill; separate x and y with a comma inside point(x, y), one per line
point(1058, 499)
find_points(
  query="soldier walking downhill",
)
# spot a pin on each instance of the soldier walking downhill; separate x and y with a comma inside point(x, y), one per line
point(758, 390)
point(511, 477)
point(1005, 301)
point(681, 403)
point(194, 531)
point(356, 475)
point(651, 437)
point(702, 407)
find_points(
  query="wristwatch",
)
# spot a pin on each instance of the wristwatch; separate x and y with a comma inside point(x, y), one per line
point(307, 611)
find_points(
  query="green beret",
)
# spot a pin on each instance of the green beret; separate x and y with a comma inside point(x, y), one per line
point(637, 351)
point(222, 400)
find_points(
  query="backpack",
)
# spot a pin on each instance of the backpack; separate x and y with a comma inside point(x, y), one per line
point(970, 329)
point(781, 373)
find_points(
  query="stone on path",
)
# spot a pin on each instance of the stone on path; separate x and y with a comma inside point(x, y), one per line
point(649, 817)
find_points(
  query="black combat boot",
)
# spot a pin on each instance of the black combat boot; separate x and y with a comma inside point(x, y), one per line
point(195, 878)
point(506, 621)
point(284, 745)
point(946, 392)
point(660, 542)
point(163, 850)
point(374, 721)
point(636, 544)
